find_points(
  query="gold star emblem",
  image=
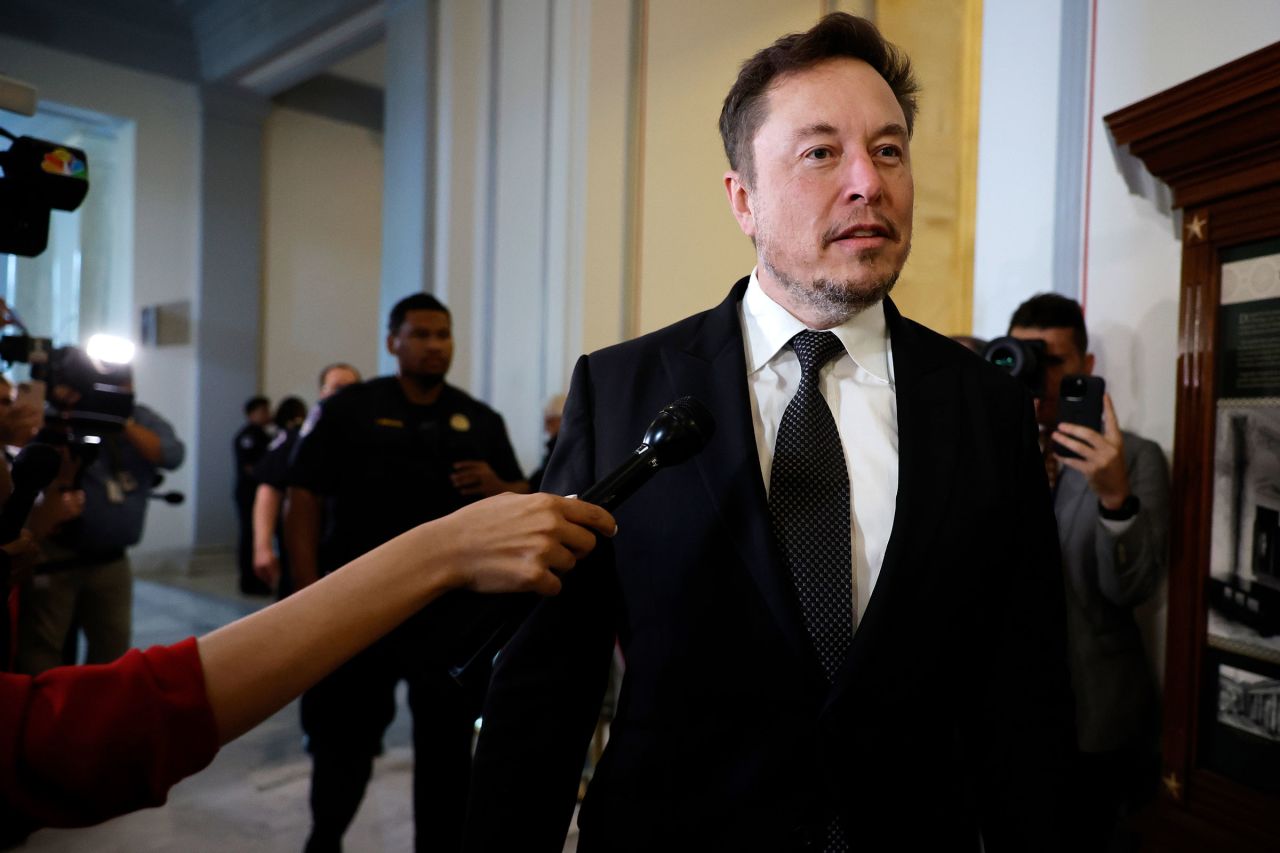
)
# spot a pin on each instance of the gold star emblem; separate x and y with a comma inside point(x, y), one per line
point(1195, 228)
point(1172, 785)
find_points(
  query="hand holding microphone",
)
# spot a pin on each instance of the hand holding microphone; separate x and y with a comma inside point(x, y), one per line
point(679, 432)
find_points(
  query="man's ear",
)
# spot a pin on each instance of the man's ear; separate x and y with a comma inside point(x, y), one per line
point(391, 344)
point(1088, 364)
point(740, 203)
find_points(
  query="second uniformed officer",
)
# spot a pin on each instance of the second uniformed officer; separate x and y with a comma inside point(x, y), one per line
point(386, 455)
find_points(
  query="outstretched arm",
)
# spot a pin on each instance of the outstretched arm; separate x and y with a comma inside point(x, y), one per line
point(79, 745)
point(509, 543)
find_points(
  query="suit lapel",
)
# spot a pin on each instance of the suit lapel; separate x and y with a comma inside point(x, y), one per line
point(711, 366)
point(927, 389)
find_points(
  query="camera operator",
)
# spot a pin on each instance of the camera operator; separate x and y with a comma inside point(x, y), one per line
point(85, 578)
point(1112, 506)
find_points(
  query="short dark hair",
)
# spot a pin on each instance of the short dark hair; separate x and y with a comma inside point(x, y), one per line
point(416, 302)
point(1053, 311)
point(290, 409)
point(255, 403)
point(341, 365)
point(836, 35)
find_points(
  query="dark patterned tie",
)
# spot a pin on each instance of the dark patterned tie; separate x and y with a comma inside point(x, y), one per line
point(809, 505)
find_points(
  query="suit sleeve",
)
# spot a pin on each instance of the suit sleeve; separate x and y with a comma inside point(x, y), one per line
point(549, 681)
point(1026, 727)
point(1131, 563)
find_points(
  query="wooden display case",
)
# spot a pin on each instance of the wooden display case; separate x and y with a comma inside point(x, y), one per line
point(1214, 143)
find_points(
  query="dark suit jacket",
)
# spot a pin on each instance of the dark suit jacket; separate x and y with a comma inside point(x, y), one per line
point(1117, 705)
point(952, 710)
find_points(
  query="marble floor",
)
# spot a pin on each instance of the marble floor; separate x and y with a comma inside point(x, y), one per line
point(253, 797)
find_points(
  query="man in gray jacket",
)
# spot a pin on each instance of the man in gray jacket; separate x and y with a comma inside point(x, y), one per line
point(1112, 506)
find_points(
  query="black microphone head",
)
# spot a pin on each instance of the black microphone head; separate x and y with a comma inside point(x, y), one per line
point(36, 466)
point(679, 431)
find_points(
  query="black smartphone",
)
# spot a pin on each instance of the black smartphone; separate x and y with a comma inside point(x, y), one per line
point(1080, 402)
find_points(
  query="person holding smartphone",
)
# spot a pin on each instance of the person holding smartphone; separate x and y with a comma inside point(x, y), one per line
point(1111, 499)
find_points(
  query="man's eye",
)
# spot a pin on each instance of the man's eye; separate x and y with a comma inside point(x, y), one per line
point(820, 154)
point(891, 151)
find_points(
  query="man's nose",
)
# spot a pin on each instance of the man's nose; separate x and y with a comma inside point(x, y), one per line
point(862, 178)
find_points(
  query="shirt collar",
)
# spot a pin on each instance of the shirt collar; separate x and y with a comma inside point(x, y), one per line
point(769, 326)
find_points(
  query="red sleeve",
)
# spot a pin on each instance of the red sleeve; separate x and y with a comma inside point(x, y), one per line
point(79, 745)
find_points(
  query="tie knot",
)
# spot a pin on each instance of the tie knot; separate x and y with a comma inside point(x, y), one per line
point(814, 349)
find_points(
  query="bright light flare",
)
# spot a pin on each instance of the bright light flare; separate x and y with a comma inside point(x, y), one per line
point(110, 349)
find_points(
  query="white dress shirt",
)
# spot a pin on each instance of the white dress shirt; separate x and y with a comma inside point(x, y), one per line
point(859, 388)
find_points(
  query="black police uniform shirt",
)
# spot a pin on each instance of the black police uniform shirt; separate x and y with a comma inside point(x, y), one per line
point(384, 463)
point(273, 468)
point(250, 445)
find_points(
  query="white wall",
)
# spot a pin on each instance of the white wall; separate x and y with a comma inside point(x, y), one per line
point(166, 219)
point(322, 220)
point(1017, 143)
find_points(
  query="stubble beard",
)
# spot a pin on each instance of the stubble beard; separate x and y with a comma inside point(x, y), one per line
point(832, 301)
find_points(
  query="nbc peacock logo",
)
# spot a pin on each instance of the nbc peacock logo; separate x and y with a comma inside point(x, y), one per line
point(62, 162)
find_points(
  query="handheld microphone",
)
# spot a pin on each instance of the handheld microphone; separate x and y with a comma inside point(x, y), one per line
point(679, 432)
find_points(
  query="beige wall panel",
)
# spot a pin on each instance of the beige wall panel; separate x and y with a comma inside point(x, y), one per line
point(943, 40)
point(322, 249)
point(604, 191)
point(690, 248)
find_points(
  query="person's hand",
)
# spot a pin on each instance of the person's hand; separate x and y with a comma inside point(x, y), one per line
point(517, 543)
point(266, 565)
point(1101, 456)
point(475, 477)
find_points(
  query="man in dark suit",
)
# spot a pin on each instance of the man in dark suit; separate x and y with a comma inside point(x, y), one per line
point(842, 622)
point(1112, 505)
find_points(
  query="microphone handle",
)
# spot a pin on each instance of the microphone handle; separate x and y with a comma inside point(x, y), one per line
point(622, 482)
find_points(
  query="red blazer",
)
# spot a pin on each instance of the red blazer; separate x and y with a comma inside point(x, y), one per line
point(79, 745)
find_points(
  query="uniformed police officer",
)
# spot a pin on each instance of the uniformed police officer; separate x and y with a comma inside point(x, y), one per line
point(386, 455)
point(249, 446)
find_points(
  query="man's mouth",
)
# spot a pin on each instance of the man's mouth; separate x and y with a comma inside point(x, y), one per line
point(863, 233)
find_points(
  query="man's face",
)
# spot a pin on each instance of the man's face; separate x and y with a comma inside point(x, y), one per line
point(831, 202)
point(336, 379)
point(423, 345)
point(260, 416)
point(1064, 358)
